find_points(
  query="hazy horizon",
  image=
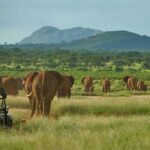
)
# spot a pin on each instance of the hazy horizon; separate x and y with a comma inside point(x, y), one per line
point(19, 18)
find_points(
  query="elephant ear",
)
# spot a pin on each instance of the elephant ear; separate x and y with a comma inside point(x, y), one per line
point(71, 80)
point(33, 75)
point(82, 81)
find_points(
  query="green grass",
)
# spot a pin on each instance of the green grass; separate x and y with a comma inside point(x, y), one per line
point(80, 132)
point(83, 123)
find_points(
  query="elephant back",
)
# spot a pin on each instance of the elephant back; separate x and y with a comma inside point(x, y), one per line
point(87, 80)
point(57, 75)
point(132, 82)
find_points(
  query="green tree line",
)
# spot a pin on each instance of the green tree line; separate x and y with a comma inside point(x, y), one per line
point(16, 58)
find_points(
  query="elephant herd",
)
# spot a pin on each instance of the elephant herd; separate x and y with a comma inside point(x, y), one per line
point(133, 83)
point(41, 87)
point(89, 88)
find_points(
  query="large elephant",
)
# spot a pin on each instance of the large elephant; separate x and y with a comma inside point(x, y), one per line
point(10, 84)
point(44, 86)
point(65, 87)
point(106, 85)
point(141, 86)
point(88, 84)
point(132, 83)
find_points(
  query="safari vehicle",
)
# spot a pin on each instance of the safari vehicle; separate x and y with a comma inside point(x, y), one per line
point(5, 118)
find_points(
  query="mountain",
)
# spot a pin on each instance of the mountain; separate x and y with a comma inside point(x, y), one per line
point(112, 40)
point(48, 35)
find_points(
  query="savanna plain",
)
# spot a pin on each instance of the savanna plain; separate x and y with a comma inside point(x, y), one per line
point(119, 120)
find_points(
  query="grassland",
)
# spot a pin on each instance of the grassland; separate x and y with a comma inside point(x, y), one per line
point(119, 120)
point(83, 123)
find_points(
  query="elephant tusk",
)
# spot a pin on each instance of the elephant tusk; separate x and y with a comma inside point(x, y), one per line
point(29, 94)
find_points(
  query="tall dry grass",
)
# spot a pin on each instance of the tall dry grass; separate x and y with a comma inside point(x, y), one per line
point(84, 123)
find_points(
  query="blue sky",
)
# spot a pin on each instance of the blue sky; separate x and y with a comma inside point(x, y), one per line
point(19, 18)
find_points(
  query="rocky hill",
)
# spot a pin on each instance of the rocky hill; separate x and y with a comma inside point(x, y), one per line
point(48, 35)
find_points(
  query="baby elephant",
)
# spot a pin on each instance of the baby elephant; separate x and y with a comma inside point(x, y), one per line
point(106, 85)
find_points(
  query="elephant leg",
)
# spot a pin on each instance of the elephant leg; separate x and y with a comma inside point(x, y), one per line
point(47, 103)
point(69, 93)
point(30, 101)
point(59, 93)
point(38, 102)
point(46, 108)
point(88, 89)
point(38, 108)
point(85, 89)
point(33, 107)
point(64, 93)
point(103, 89)
point(109, 89)
point(41, 107)
point(128, 87)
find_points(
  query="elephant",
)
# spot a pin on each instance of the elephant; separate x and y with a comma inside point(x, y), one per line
point(132, 83)
point(27, 83)
point(19, 81)
point(10, 85)
point(44, 86)
point(106, 85)
point(88, 84)
point(65, 87)
point(125, 79)
point(141, 86)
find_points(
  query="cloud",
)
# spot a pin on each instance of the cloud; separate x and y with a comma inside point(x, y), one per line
point(29, 15)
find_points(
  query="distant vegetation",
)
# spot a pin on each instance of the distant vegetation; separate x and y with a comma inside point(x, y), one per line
point(22, 60)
